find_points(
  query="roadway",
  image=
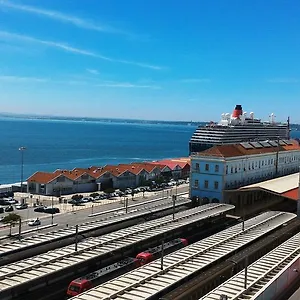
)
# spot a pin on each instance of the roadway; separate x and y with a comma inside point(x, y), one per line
point(80, 214)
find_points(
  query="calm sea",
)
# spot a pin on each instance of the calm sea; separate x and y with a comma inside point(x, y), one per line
point(56, 144)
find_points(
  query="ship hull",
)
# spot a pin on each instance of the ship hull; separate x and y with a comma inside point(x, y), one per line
point(209, 136)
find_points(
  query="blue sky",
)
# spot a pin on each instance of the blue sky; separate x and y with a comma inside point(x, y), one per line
point(151, 59)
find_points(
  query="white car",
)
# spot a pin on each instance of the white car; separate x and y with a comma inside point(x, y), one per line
point(35, 222)
point(10, 200)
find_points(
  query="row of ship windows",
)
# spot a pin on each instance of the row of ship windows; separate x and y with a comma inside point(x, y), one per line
point(206, 184)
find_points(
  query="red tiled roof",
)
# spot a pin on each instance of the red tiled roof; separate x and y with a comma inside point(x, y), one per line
point(42, 177)
point(145, 165)
point(96, 172)
point(292, 194)
point(72, 175)
point(169, 163)
point(233, 150)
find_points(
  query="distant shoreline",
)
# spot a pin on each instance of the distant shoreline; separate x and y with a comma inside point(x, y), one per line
point(295, 127)
point(90, 119)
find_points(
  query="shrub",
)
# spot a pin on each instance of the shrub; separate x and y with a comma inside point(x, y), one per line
point(109, 190)
point(94, 195)
point(77, 197)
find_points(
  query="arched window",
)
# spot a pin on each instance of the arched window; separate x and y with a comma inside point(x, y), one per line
point(205, 200)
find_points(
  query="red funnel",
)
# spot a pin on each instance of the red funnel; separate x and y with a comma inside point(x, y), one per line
point(238, 111)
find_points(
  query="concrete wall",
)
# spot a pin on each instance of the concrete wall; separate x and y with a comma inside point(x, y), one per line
point(85, 187)
point(125, 180)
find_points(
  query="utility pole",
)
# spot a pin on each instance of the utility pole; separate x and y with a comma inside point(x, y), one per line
point(76, 237)
point(246, 273)
point(174, 198)
point(243, 223)
point(20, 224)
point(51, 210)
point(162, 255)
point(126, 205)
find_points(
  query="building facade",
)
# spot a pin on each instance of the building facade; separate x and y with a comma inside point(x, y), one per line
point(94, 178)
point(228, 167)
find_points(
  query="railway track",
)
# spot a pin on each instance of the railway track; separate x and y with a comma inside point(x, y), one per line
point(150, 282)
point(259, 273)
point(23, 276)
point(207, 280)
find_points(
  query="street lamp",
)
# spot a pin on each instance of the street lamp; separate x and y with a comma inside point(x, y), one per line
point(22, 163)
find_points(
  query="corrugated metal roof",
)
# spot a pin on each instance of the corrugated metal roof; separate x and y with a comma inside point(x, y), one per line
point(278, 185)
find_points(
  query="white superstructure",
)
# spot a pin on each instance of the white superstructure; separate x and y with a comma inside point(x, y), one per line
point(236, 128)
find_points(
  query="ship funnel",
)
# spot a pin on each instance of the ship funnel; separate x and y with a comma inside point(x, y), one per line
point(238, 111)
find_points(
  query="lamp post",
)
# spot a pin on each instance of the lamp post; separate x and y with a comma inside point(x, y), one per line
point(22, 163)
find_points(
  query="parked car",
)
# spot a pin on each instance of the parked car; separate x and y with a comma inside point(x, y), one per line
point(35, 222)
point(9, 208)
point(22, 206)
point(40, 208)
point(75, 202)
point(8, 201)
point(11, 200)
point(85, 200)
point(51, 210)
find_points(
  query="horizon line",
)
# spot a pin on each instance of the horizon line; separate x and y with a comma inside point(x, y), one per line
point(24, 115)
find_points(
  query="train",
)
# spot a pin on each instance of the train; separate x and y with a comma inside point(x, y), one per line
point(86, 282)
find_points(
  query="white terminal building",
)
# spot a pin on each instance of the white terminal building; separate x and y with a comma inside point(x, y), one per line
point(228, 167)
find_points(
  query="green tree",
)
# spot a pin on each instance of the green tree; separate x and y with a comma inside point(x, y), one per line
point(11, 218)
point(77, 197)
point(109, 190)
point(94, 195)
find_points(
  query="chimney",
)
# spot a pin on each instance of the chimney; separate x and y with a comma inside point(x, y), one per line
point(238, 111)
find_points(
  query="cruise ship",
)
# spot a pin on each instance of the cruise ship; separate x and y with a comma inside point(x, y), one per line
point(236, 128)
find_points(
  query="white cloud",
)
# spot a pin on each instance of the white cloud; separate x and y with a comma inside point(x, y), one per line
point(58, 16)
point(92, 71)
point(126, 85)
point(5, 35)
point(283, 80)
point(10, 78)
point(195, 80)
point(109, 84)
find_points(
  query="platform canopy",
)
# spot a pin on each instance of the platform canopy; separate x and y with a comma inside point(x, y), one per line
point(286, 186)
